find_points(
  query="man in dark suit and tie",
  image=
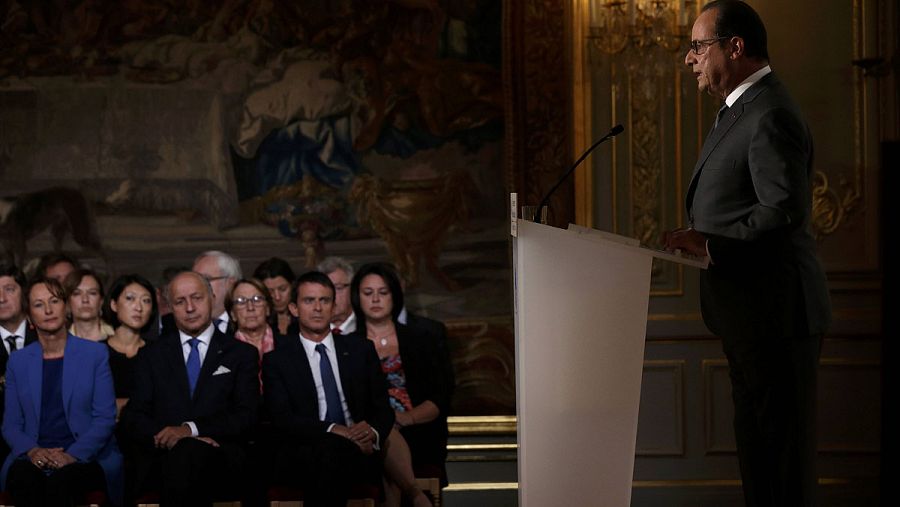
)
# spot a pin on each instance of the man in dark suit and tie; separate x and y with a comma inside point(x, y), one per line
point(749, 205)
point(196, 397)
point(327, 397)
point(15, 332)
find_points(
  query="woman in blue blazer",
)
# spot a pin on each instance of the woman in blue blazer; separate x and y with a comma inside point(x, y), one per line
point(60, 411)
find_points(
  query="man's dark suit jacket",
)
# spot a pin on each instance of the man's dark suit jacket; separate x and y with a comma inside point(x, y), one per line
point(290, 390)
point(751, 196)
point(225, 402)
point(30, 337)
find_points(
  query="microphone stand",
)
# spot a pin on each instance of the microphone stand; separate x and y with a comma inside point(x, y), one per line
point(613, 132)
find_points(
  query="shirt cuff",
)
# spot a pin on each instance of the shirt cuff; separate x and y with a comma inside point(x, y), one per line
point(193, 427)
point(706, 245)
point(377, 444)
point(330, 426)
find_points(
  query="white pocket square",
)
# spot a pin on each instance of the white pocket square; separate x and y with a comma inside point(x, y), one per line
point(221, 370)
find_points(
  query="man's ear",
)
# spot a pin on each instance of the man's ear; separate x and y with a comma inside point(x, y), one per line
point(292, 307)
point(737, 47)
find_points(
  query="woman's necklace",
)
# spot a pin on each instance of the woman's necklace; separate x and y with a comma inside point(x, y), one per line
point(382, 340)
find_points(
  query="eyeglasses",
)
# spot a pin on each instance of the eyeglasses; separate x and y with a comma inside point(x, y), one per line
point(242, 301)
point(215, 278)
point(699, 46)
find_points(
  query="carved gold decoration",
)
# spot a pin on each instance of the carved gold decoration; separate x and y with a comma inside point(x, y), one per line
point(831, 207)
point(642, 23)
point(646, 162)
point(414, 217)
point(542, 146)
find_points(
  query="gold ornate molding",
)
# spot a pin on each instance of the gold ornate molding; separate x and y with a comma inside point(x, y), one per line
point(482, 425)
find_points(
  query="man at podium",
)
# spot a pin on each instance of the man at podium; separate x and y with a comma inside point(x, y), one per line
point(749, 206)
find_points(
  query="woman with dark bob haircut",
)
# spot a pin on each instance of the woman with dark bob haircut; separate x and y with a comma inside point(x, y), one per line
point(131, 309)
point(409, 360)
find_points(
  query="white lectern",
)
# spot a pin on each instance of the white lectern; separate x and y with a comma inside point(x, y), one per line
point(581, 301)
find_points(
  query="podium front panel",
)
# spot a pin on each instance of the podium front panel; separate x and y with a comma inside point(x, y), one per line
point(581, 319)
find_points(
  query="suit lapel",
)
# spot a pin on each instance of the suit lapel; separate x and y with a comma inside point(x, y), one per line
point(174, 360)
point(70, 372)
point(346, 363)
point(715, 137)
point(35, 369)
point(4, 357)
point(304, 380)
point(725, 124)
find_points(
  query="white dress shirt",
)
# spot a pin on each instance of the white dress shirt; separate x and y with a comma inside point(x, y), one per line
point(747, 83)
point(348, 326)
point(312, 356)
point(202, 348)
point(224, 319)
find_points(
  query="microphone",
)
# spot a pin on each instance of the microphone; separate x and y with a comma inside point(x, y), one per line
point(613, 132)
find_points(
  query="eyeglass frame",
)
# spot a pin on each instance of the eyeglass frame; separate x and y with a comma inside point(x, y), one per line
point(256, 299)
point(705, 43)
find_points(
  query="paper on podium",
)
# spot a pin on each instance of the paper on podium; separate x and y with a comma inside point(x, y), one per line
point(677, 257)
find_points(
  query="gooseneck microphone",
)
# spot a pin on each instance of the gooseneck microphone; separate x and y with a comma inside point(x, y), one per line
point(613, 132)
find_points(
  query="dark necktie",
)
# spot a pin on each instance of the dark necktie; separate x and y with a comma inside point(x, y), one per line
point(722, 111)
point(337, 331)
point(11, 340)
point(218, 324)
point(334, 412)
point(193, 363)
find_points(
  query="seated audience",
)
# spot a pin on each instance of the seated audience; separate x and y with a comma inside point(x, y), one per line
point(60, 411)
point(195, 398)
point(131, 309)
point(417, 390)
point(276, 274)
point(340, 272)
point(15, 331)
point(327, 398)
point(85, 303)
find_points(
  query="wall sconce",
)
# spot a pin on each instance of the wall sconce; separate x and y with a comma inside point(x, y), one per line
point(642, 23)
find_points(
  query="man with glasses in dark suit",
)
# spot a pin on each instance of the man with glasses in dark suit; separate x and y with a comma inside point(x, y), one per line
point(749, 204)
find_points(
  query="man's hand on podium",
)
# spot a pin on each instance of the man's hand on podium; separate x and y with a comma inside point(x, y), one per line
point(686, 240)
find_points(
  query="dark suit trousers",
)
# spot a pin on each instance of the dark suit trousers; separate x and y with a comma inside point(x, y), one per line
point(193, 473)
point(325, 468)
point(774, 391)
point(31, 486)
